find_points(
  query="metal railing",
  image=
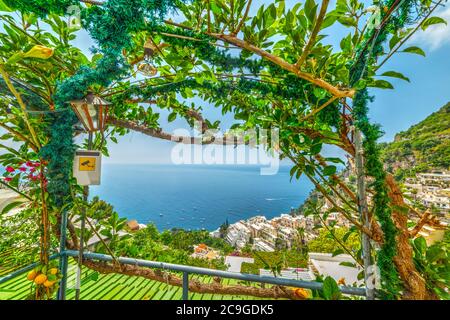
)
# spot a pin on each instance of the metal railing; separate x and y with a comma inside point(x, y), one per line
point(187, 270)
point(29, 267)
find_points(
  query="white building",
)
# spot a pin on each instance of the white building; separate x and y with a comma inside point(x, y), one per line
point(238, 234)
point(437, 178)
point(434, 200)
point(261, 245)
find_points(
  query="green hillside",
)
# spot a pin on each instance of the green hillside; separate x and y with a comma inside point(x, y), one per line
point(423, 147)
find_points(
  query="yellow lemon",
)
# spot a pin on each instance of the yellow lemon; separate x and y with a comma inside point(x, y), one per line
point(48, 284)
point(53, 271)
point(31, 275)
point(301, 293)
point(40, 279)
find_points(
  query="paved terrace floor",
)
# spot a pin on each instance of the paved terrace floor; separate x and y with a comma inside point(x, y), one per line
point(116, 287)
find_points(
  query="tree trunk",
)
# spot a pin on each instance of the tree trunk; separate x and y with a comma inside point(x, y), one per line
point(414, 284)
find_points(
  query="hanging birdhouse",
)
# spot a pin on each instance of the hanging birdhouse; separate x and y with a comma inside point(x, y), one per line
point(91, 111)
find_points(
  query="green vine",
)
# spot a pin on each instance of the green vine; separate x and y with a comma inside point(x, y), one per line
point(370, 48)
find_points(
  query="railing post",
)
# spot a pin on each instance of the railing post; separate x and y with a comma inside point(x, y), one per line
point(363, 212)
point(83, 225)
point(185, 286)
point(63, 257)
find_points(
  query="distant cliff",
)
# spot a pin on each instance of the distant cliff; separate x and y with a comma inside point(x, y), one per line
point(423, 147)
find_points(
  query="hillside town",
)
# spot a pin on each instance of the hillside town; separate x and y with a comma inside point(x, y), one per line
point(284, 231)
point(264, 234)
point(432, 190)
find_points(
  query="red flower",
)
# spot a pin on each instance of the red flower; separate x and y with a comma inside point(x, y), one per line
point(23, 169)
point(8, 179)
point(29, 163)
point(10, 169)
point(32, 169)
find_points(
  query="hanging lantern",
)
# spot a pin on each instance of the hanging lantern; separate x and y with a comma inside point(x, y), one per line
point(146, 67)
point(91, 111)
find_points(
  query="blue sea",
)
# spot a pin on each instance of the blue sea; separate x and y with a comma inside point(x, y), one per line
point(198, 196)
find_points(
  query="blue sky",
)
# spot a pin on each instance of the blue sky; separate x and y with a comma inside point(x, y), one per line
point(395, 110)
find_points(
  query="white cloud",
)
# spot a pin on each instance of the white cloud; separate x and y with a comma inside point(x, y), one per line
point(434, 36)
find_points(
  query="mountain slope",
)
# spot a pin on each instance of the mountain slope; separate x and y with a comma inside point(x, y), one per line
point(423, 147)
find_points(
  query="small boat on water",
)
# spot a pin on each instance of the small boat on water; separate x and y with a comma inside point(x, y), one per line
point(160, 214)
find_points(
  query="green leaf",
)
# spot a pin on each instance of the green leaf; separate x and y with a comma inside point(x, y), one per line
point(329, 20)
point(435, 253)
point(11, 206)
point(52, 277)
point(415, 50)
point(330, 289)
point(329, 170)
point(360, 275)
point(360, 84)
point(347, 21)
point(345, 237)
point(15, 181)
point(309, 170)
point(335, 160)
point(431, 21)
point(310, 10)
point(394, 40)
point(11, 150)
point(420, 244)
point(315, 148)
point(382, 84)
point(15, 58)
point(292, 171)
point(4, 7)
point(337, 252)
point(346, 44)
point(394, 74)
point(172, 117)
point(214, 8)
point(347, 264)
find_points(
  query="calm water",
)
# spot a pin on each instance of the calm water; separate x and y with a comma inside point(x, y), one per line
point(194, 197)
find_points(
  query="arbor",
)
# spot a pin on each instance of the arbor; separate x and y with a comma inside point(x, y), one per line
point(285, 76)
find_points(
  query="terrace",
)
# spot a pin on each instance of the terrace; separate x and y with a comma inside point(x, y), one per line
point(96, 286)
